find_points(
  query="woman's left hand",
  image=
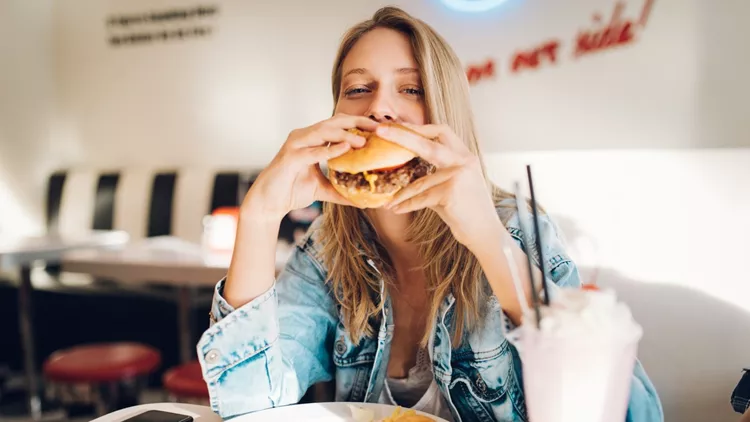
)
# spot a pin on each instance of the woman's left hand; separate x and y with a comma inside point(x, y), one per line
point(457, 191)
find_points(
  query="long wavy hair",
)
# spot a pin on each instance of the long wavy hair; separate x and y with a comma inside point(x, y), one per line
point(449, 267)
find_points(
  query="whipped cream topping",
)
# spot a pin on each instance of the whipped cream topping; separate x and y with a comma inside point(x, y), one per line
point(590, 314)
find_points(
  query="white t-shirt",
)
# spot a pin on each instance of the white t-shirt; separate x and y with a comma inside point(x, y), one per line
point(417, 391)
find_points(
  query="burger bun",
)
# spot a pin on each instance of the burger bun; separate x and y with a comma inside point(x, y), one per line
point(377, 153)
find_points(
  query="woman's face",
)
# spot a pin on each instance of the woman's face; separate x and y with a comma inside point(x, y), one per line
point(380, 79)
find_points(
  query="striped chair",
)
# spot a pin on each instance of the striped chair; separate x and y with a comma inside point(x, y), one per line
point(145, 203)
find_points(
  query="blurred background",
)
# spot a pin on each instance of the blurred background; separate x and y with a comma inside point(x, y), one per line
point(146, 116)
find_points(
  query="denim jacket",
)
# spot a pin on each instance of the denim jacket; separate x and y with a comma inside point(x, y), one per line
point(268, 352)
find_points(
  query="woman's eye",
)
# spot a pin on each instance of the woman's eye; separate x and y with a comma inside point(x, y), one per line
point(414, 91)
point(355, 91)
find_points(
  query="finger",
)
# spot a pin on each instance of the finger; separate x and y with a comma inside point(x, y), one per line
point(330, 135)
point(346, 121)
point(430, 198)
point(442, 133)
point(335, 135)
point(316, 155)
point(335, 129)
point(432, 151)
point(327, 193)
point(422, 185)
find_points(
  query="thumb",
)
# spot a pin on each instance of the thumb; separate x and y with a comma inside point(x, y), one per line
point(327, 193)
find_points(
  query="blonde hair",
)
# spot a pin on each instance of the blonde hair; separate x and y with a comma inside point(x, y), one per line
point(448, 265)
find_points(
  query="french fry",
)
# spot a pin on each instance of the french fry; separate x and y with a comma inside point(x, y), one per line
point(404, 416)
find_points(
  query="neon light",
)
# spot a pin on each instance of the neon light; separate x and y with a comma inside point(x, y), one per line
point(473, 5)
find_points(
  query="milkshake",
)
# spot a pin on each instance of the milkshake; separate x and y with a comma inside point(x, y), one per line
point(578, 364)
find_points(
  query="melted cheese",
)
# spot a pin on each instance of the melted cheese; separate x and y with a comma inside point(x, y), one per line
point(371, 178)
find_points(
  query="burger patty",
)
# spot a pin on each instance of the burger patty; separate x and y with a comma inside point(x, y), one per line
point(387, 181)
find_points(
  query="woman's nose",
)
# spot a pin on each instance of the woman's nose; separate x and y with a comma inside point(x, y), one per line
point(381, 108)
point(380, 117)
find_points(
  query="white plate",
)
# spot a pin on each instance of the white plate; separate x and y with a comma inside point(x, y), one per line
point(321, 412)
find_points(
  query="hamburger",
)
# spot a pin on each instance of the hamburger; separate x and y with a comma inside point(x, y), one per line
point(370, 176)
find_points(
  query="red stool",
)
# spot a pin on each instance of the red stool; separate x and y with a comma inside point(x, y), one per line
point(109, 375)
point(185, 383)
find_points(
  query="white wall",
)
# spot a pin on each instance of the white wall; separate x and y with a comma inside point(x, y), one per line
point(231, 97)
point(26, 111)
point(724, 66)
point(265, 69)
point(616, 99)
point(664, 221)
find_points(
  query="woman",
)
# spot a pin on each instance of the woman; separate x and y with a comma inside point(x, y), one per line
point(402, 304)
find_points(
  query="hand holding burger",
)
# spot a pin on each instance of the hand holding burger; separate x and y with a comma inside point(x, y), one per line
point(294, 179)
point(457, 191)
point(370, 176)
point(401, 167)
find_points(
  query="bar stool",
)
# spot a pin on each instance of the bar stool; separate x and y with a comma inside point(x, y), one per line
point(184, 383)
point(108, 375)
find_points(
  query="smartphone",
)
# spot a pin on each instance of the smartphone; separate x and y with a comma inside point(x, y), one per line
point(159, 416)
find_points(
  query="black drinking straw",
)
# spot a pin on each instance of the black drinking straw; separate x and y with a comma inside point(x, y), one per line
point(520, 208)
point(538, 236)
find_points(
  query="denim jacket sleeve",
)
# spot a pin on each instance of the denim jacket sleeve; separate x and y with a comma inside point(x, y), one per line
point(559, 268)
point(644, 405)
point(268, 352)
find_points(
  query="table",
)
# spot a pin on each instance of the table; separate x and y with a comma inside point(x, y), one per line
point(22, 252)
point(164, 259)
point(311, 411)
point(199, 413)
point(331, 411)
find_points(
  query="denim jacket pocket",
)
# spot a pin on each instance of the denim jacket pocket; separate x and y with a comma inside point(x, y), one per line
point(485, 386)
point(353, 366)
point(485, 373)
point(484, 382)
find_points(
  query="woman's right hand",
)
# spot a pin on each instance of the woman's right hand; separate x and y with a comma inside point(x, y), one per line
point(294, 179)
